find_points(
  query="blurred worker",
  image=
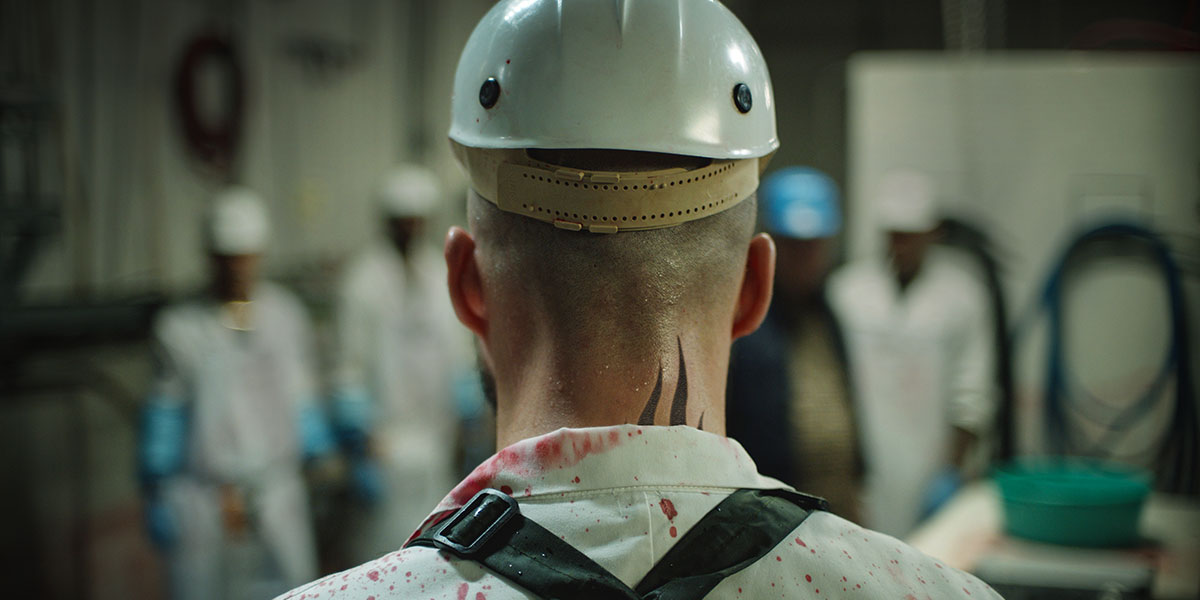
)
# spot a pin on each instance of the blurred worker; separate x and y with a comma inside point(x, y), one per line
point(610, 262)
point(918, 337)
point(789, 396)
point(230, 417)
point(398, 349)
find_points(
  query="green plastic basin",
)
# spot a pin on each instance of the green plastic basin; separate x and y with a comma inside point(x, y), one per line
point(1074, 502)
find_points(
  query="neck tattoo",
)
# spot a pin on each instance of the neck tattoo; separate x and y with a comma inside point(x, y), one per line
point(678, 402)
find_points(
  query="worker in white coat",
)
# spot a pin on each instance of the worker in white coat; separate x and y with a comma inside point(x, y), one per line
point(231, 416)
point(398, 353)
point(613, 152)
point(917, 333)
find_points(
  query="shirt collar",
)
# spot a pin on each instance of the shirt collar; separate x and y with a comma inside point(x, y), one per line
point(580, 460)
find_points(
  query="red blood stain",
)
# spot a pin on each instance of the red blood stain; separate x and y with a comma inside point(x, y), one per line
point(373, 575)
point(673, 531)
point(668, 509)
point(408, 573)
point(909, 597)
point(547, 449)
point(506, 489)
point(528, 491)
point(370, 597)
point(965, 590)
point(344, 586)
point(808, 578)
point(778, 558)
point(462, 591)
point(480, 596)
point(507, 60)
point(530, 457)
point(801, 542)
point(576, 479)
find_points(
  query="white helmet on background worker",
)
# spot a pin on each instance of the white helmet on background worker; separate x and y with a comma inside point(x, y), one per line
point(906, 201)
point(238, 223)
point(408, 191)
point(682, 78)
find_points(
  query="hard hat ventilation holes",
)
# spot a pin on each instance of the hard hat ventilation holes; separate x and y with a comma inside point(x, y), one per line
point(489, 93)
point(607, 201)
point(742, 98)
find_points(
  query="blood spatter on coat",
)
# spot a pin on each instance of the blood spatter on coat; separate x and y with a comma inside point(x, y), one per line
point(668, 509)
point(462, 591)
point(529, 458)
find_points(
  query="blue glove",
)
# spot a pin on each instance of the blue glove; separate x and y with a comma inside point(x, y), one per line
point(315, 437)
point(163, 440)
point(940, 490)
point(352, 412)
point(366, 481)
point(161, 524)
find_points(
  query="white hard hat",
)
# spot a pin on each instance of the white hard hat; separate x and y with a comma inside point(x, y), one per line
point(238, 223)
point(906, 202)
point(682, 78)
point(408, 191)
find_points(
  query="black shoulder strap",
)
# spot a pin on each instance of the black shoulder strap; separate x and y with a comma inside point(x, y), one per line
point(737, 533)
point(490, 530)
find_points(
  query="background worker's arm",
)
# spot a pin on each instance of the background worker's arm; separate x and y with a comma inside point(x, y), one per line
point(972, 401)
point(352, 408)
point(162, 444)
point(971, 404)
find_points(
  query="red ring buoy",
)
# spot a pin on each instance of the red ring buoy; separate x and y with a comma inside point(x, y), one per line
point(212, 143)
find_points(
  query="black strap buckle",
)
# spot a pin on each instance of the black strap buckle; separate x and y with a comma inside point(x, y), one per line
point(479, 520)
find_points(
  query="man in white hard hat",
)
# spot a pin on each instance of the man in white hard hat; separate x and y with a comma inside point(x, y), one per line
point(232, 414)
point(917, 333)
point(398, 353)
point(613, 150)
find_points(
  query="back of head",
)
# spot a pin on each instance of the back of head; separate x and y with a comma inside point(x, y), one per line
point(613, 151)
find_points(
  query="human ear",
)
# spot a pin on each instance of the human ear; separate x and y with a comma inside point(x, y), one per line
point(464, 281)
point(758, 281)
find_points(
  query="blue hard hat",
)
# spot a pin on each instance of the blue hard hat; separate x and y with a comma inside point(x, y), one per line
point(800, 202)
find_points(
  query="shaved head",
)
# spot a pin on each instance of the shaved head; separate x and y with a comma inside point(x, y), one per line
point(630, 291)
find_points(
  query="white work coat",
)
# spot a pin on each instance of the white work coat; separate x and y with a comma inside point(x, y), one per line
point(400, 344)
point(922, 360)
point(623, 495)
point(243, 392)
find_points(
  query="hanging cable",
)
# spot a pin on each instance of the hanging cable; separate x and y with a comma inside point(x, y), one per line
point(1177, 454)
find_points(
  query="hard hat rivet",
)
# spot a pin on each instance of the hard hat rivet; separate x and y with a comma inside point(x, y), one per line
point(741, 97)
point(489, 93)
